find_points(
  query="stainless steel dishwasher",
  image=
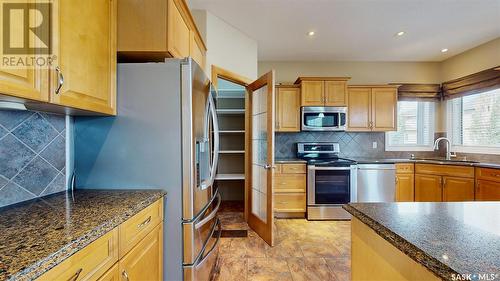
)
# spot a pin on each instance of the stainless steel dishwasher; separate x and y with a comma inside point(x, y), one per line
point(376, 182)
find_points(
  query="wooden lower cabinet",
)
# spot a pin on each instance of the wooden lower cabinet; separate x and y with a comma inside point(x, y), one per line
point(458, 189)
point(487, 190)
point(112, 275)
point(144, 261)
point(289, 189)
point(100, 260)
point(428, 188)
point(405, 187)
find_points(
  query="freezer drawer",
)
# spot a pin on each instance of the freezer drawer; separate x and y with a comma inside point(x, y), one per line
point(204, 266)
point(197, 232)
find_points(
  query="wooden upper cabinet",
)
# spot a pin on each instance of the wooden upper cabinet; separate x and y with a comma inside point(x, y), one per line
point(85, 45)
point(157, 29)
point(323, 91)
point(428, 188)
point(335, 93)
point(458, 189)
point(372, 108)
point(288, 109)
point(384, 109)
point(359, 109)
point(312, 93)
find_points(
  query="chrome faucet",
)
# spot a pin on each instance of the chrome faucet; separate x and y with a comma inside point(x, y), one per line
point(448, 152)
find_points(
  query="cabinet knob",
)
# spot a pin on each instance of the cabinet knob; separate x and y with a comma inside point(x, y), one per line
point(60, 80)
point(125, 274)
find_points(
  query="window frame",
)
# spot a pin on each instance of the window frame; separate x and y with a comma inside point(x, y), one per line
point(466, 148)
point(415, 147)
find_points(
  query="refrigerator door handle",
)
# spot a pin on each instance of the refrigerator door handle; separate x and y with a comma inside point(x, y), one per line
point(201, 259)
point(211, 215)
point(211, 114)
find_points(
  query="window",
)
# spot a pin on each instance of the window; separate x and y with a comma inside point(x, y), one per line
point(415, 127)
point(474, 123)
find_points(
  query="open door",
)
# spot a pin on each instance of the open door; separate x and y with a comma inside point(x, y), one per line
point(260, 155)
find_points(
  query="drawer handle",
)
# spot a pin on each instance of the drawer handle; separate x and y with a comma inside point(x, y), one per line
point(76, 275)
point(125, 274)
point(283, 183)
point(144, 223)
point(283, 202)
point(60, 80)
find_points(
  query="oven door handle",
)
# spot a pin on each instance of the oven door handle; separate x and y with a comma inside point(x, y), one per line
point(332, 168)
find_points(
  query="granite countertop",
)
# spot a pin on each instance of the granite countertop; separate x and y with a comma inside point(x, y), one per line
point(428, 161)
point(446, 238)
point(37, 235)
point(289, 161)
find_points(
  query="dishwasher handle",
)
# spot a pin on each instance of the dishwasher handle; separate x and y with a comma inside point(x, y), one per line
point(376, 167)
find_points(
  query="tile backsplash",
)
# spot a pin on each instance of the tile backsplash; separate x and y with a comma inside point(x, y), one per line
point(32, 155)
point(352, 145)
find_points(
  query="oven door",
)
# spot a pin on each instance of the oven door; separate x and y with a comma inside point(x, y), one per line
point(324, 118)
point(330, 185)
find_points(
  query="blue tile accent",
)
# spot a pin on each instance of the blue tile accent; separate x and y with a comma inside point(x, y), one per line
point(58, 185)
point(56, 120)
point(54, 153)
point(3, 132)
point(36, 176)
point(14, 155)
point(11, 118)
point(35, 132)
point(12, 194)
point(3, 182)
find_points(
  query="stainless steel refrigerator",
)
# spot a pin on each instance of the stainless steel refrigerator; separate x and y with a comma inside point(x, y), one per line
point(165, 136)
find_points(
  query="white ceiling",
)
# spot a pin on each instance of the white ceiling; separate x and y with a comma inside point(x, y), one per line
point(360, 30)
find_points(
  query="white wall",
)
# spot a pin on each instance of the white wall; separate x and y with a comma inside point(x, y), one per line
point(227, 47)
point(474, 60)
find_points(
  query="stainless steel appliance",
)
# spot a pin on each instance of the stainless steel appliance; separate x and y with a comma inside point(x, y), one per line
point(331, 181)
point(324, 118)
point(161, 139)
point(376, 182)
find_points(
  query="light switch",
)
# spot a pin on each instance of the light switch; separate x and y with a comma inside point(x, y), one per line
point(374, 144)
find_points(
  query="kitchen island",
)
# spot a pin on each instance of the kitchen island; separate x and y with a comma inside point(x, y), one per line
point(38, 235)
point(425, 241)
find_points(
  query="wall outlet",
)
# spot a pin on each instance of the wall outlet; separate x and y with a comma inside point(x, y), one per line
point(374, 145)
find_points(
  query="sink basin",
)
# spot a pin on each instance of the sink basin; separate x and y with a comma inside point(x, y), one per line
point(445, 161)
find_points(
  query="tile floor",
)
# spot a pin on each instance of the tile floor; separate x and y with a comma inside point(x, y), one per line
point(304, 250)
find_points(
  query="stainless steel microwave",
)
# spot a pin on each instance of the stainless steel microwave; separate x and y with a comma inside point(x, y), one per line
point(324, 118)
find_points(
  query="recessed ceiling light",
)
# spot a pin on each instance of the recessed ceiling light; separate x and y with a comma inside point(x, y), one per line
point(311, 33)
point(401, 33)
point(444, 50)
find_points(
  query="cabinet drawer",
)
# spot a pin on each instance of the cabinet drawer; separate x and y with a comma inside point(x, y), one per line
point(290, 202)
point(293, 169)
point(90, 263)
point(488, 174)
point(138, 226)
point(445, 170)
point(290, 183)
point(405, 168)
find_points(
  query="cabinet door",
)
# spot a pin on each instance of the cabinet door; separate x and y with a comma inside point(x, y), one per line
point(405, 189)
point(145, 260)
point(458, 189)
point(359, 109)
point(112, 275)
point(178, 32)
point(85, 44)
point(384, 109)
point(312, 93)
point(487, 190)
point(197, 51)
point(288, 110)
point(428, 188)
point(335, 93)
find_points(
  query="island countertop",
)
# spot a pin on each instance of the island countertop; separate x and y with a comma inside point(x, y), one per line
point(446, 238)
point(37, 235)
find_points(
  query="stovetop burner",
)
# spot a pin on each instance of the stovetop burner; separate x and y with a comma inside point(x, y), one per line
point(337, 162)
